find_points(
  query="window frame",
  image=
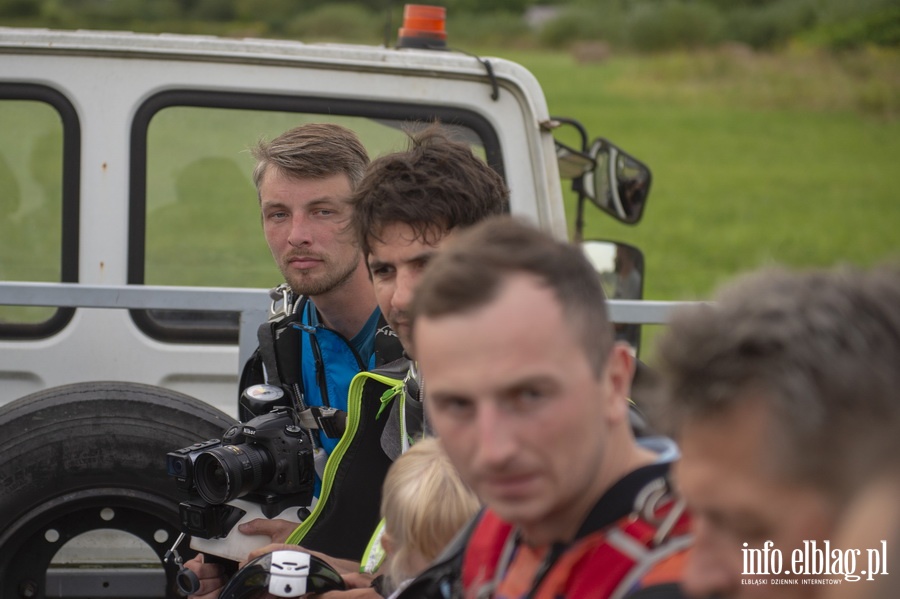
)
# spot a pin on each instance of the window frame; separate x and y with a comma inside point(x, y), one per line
point(196, 333)
point(70, 209)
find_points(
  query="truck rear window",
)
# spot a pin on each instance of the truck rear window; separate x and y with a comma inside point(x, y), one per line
point(39, 156)
point(195, 218)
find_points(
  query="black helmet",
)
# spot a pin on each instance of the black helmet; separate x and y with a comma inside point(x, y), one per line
point(285, 573)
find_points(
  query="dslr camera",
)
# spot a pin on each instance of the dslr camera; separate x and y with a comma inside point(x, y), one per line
point(266, 462)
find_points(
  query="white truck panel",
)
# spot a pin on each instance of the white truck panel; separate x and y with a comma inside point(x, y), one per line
point(107, 76)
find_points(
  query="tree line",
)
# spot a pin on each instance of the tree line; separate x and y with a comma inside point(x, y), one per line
point(641, 25)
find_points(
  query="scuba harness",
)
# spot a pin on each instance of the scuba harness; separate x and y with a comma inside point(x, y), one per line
point(277, 362)
point(348, 509)
point(340, 522)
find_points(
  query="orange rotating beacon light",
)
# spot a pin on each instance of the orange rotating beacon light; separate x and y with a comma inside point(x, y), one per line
point(423, 27)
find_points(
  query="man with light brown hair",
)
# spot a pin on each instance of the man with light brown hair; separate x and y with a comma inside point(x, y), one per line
point(304, 179)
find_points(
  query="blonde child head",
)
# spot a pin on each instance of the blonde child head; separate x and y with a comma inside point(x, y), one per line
point(424, 504)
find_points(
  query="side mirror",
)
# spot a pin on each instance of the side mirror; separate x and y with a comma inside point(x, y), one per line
point(572, 163)
point(620, 267)
point(619, 183)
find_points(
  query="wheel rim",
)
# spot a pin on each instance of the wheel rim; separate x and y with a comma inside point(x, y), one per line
point(29, 548)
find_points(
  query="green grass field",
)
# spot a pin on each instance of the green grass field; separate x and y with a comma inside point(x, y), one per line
point(790, 159)
point(757, 159)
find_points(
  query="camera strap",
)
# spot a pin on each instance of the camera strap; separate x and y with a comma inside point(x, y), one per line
point(277, 352)
point(266, 337)
point(279, 349)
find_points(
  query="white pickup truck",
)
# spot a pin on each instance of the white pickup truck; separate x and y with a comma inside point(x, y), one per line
point(133, 271)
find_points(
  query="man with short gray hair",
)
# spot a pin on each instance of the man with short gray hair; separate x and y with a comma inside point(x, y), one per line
point(785, 396)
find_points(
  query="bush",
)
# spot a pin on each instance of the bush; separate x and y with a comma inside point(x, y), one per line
point(485, 6)
point(842, 11)
point(274, 13)
point(645, 26)
point(672, 24)
point(486, 29)
point(881, 29)
point(19, 8)
point(582, 23)
point(337, 22)
point(771, 25)
point(214, 10)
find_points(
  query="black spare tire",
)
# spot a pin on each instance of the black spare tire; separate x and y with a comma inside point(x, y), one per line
point(86, 457)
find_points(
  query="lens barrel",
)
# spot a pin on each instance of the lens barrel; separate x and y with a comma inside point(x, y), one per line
point(231, 471)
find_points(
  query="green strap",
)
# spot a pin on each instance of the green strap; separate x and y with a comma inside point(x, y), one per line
point(374, 555)
point(354, 411)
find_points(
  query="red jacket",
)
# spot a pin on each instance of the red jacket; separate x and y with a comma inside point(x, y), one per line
point(635, 537)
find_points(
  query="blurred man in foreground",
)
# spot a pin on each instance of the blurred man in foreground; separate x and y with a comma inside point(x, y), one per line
point(785, 395)
point(528, 392)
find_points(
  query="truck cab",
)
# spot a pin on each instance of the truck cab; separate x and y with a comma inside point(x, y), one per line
point(133, 269)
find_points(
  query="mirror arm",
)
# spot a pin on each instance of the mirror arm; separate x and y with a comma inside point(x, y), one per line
point(578, 236)
point(614, 189)
point(581, 130)
point(578, 183)
point(578, 188)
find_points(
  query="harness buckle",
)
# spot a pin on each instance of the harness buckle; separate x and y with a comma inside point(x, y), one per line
point(281, 292)
point(332, 422)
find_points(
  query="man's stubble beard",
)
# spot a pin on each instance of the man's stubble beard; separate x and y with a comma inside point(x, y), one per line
point(329, 280)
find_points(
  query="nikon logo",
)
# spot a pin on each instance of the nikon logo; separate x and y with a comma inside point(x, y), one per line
point(250, 431)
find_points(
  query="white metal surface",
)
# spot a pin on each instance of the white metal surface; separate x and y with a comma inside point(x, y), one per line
point(106, 76)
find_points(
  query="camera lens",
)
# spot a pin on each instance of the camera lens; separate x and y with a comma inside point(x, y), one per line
point(175, 465)
point(231, 471)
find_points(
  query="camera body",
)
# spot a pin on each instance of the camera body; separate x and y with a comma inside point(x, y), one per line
point(266, 461)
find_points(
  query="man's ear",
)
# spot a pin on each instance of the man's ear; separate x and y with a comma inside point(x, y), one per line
point(619, 373)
